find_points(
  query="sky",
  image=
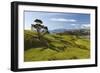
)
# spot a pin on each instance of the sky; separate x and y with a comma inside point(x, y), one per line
point(57, 20)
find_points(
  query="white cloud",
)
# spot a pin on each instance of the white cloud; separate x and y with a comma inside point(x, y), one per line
point(63, 20)
point(85, 26)
point(73, 24)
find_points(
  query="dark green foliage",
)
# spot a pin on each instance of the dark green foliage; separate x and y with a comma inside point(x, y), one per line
point(38, 21)
point(31, 40)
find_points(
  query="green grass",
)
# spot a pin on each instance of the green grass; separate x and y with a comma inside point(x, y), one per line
point(58, 47)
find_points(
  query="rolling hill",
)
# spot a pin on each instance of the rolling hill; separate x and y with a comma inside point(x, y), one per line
point(55, 47)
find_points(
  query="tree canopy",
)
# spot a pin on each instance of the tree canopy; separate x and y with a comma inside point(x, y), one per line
point(41, 29)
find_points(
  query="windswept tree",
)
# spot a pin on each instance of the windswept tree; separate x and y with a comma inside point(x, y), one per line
point(41, 29)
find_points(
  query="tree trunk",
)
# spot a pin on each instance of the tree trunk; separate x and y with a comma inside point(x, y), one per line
point(39, 36)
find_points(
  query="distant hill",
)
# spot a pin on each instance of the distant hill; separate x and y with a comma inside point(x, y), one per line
point(72, 31)
point(58, 30)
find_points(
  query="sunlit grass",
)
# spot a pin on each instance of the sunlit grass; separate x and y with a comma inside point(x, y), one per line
point(60, 47)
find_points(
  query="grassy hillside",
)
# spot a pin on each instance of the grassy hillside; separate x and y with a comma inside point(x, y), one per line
point(55, 47)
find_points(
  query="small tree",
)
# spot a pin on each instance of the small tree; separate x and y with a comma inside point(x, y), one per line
point(41, 29)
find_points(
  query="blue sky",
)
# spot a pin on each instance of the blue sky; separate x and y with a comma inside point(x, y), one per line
point(55, 20)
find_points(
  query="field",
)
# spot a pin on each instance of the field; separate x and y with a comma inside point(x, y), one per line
point(55, 47)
